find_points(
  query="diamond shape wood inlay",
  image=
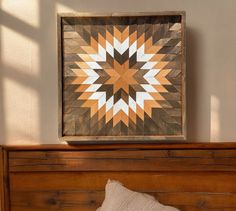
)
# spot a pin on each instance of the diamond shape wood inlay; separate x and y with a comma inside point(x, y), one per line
point(122, 76)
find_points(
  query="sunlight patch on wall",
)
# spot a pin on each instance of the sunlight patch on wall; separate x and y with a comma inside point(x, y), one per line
point(20, 51)
point(21, 112)
point(61, 8)
point(215, 119)
point(25, 10)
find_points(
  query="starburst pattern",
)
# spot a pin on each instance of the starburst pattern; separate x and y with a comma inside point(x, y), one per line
point(122, 76)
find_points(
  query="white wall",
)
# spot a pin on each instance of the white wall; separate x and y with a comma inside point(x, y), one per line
point(28, 59)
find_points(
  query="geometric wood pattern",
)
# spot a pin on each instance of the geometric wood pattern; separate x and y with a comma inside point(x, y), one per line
point(122, 76)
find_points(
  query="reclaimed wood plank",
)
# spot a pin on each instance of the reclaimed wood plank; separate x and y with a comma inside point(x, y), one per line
point(4, 182)
point(142, 181)
point(92, 199)
point(166, 160)
point(105, 146)
point(191, 177)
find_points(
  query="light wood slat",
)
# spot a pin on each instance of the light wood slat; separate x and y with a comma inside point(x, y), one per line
point(120, 14)
point(160, 160)
point(142, 181)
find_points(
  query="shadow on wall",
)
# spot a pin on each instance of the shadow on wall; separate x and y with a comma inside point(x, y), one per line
point(193, 85)
point(2, 114)
point(44, 84)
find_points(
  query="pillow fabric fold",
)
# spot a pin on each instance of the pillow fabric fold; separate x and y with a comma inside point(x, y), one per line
point(120, 198)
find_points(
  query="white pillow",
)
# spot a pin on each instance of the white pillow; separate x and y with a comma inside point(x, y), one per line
point(120, 198)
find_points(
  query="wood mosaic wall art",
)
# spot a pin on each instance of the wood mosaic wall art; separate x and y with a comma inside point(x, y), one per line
point(122, 77)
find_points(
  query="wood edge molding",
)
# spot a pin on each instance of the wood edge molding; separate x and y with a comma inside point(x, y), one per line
point(121, 14)
point(4, 184)
point(1, 179)
point(129, 138)
point(60, 62)
point(126, 146)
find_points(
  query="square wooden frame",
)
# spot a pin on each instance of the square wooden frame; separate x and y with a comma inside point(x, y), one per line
point(115, 139)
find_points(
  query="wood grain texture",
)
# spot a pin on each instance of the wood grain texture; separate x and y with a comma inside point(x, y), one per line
point(120, 14)
point(84, 191)
point(59, 56)
point(90, 200)
point(142, 181)
point(163, 35)
point(56, 177)
point(158, 160)
point(125, 146)
point(4, 180)
point(1, 179)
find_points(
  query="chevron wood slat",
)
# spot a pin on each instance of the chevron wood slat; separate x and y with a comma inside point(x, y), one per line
point(123, 76)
